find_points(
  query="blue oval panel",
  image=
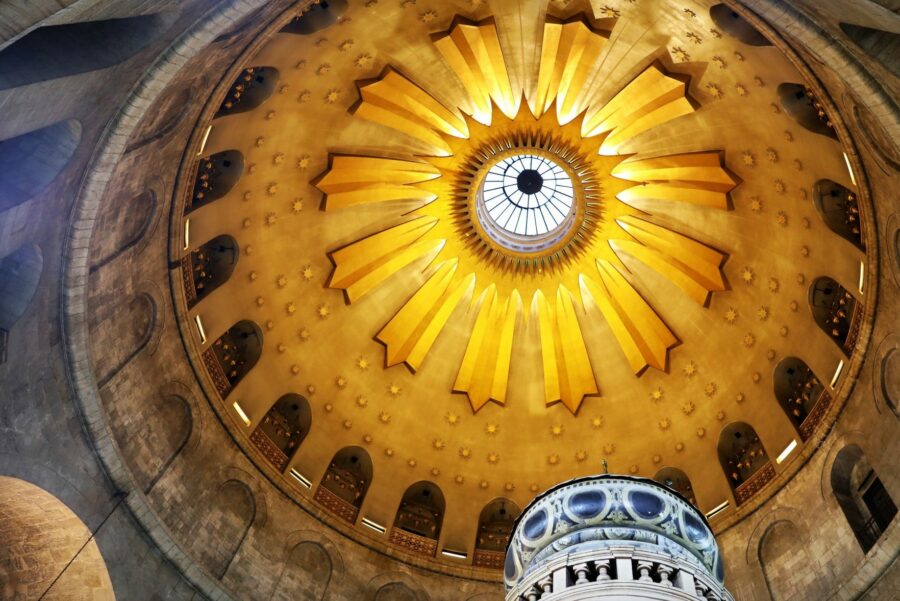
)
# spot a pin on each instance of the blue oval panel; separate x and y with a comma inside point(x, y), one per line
point(587, 504)
point(535, 525)
point(720, 570)
point(509, 567)
point(646, 505)
point(695, 529)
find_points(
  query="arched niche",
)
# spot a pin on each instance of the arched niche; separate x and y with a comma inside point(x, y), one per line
point(123, 229)
point(251, 88)
point(62, 50)
point(122, 330)
point(20, 273)
point(744, 460)
point(781, 550)
point(225, 517)
point(47, 551)
point(395, 591)
point(306, 575)
point(495, 526)
point(217, 174)
point(836, 312)
point(233, 355)
point(736, 26)
point(801, 106)
point(799, 392)
point(319, 16)
point(417, 525)
point(883, 46)
point(863, 499)
point(678, 481)
point(345, 483)
point(839, 209)
point(208, 267)
point(282, 430)
point(31, 161)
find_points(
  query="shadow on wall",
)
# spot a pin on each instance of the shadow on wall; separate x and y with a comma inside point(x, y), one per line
point(62, 50)
point(29, 162)
point(20, 273)
point(52, 561)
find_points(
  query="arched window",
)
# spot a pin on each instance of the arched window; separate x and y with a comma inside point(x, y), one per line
point(839, 209)
point(744, 459)
point(417, 526)
point(801, 106)
point(233, 355)
point(678, 481)
point(285, 425)
point(252, 87)
point(495, 526)
point(736, 26)
point(20, 272)
point(836, 312)
point(883, 46)
point(319, 16)
point(801, 394)
point(62, 50)
point(208, 267)
point(29, 162)
point(345, 483)
point(216, 176)
point(862, 496)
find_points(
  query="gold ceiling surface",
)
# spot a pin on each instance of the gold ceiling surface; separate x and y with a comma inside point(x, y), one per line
point(382, 303)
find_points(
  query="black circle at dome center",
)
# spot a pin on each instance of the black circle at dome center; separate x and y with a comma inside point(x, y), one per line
point(530, 182)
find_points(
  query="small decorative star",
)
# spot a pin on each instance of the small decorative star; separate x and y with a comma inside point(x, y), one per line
point(297, 205)
point(716, 33)
point(303, 161)
point(323, 69)
point(720, 62)
point(291, 308)
point(345, 45)
point(701, 432)
point(788, 136)
point(762, 313)
point(759, 82)
point(452, 418)
point(362, 363)
point(772, 155)
point(756, 204)
point(493, 457)
point(720, 415)
point(782, 218)
point(491, 429)
point(303, 334)
point(731, 315)
point(597, 423)
point(384, 417)
point(332, 96)
point(689, 13)
point(278, 159)
point(459, 479)
point(271, 190)
point(749, 340)
point(553, 459)
point(739, 397)
point(363, 60)
point(412, 463)
point(775, 108)
point(395, 390)
point(304, 96)
point(747, 275)
point(438, 444)
point(428, 16)
point(688, 407)
point(581, 456)
point(694, 37)
point(465, 452)
point(340, 382)
point(773, 285)
point(664, 424)
point(362, 401)
point(281, 281)
point(556, 430)
point(739, 57)
point(798, 164)
point(307, 273)
point(323, 311)
point(609, 12)
point(609, 448)
point(748, 158)
point(690, 370)
point(741, 89)
point(710, 389)
point(509, 487)
point(389, 452)
point(656, 394)
point(347, 424)
point(681, 54)
point(714, 90)
point(484, 484)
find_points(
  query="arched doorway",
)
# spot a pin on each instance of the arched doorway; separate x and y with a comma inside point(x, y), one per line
point(282, 430)
point(251, 88)
point(417, 525)
point(217, 174)
point(839, 208)
point(678, 481)
point(345, 483)
point(744, 460)
point(836, 312)
point(208, 267)
point(799, 393)
point(495, 526)
point(233, 355)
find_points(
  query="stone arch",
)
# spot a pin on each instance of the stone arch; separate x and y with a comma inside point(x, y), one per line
point(886, 380)
point(839, 208)
point(862, 497)
point(306, 574)
point(343, 488)
point(20, 274)
point(53, 559)
point(227, 514)
point(784, 560)
point(319, 16)
point(881, 45)
point(736, 26)
point(744, 460)
point(233, 355)
point(127, 228)
point(395, 586)
point(419, 518)
point(800, 105)
point(216, 175)
point(252, 87)
point(678, 481)
point(171, 114)
point(154, 436)
point(56, 51)
point(282, 430)
point(208, 267)
point(798, 391)
point(836, 312)
point(122, 333)
point(31, 161)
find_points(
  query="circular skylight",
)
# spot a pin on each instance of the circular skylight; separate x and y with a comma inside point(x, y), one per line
point(527, 195)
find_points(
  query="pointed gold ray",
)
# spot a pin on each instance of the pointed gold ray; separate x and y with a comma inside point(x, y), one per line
point(568, 376)
point(568, 56)
point(353, 180)
point(412, 331)
point(395, 101)
point(693, 266)
point(698, 178)
point(484, 371)
point(643, 335)
point(364, 264)
point(473, 52)
point(650, 99)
